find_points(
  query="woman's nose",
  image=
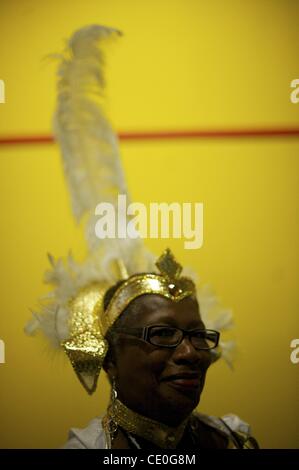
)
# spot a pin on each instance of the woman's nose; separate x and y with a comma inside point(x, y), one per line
point(186, 352)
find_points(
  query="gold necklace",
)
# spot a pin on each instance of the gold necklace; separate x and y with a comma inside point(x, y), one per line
point(165, 437)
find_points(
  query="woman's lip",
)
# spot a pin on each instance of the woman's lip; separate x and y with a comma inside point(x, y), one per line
point(184, 382)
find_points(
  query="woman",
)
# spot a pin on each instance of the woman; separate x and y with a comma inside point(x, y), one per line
point(146, 331)
point(157, 357)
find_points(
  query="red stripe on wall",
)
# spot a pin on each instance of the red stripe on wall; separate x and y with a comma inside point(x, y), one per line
point(169, 135)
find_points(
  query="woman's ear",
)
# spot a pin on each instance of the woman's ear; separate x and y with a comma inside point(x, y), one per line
point(109, 366)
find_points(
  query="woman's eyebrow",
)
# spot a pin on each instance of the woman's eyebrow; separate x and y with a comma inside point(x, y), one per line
point(196, 324)
point(163, 320)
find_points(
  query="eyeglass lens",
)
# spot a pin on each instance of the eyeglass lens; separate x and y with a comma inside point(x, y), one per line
point(167, 336)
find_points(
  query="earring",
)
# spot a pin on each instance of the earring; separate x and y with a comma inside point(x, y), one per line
point(113, 394)
point(110, 422)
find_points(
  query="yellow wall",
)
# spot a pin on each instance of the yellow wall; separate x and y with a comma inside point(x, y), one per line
point(181, 64)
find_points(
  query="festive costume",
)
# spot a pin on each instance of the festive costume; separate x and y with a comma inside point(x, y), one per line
point(74, 318)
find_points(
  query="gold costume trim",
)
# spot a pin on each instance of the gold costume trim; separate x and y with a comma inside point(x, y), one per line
point(163, 436)
point(86, 348)
point(169, 284)
point(144, 284)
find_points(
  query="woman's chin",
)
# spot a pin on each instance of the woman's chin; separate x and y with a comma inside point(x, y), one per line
point(177, 403)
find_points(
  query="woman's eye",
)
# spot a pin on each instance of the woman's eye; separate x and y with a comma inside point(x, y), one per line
point(162, 332)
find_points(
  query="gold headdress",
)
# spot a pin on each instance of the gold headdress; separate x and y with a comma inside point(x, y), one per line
point(74, 318)
point(89, 322)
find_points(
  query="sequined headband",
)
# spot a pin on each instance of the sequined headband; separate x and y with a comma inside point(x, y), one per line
point(89, 322)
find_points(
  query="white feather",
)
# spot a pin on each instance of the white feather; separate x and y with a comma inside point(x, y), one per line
point(88, 144)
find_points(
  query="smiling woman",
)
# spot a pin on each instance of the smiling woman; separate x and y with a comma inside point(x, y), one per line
point(155, 348)
point(118, 310)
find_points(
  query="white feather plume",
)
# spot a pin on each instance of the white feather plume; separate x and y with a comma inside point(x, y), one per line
point(93, 171)
point(89, 146)
point(216, 317)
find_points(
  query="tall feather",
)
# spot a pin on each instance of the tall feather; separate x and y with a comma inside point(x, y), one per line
point(88, 144)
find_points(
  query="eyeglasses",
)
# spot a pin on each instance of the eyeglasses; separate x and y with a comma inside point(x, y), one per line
point(170, 337)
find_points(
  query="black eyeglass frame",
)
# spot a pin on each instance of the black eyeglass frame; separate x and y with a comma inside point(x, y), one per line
point(144, 334)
